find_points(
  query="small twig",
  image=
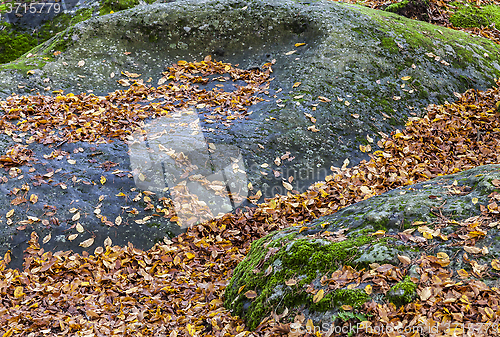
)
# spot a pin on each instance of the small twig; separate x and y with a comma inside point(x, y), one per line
point(61, 143)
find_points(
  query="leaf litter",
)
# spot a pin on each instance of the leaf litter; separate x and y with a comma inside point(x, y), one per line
point(176, 288)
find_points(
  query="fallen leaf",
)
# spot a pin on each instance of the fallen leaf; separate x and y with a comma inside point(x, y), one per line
point(250, 294)
point(76, 217)
point(318, 296)
point(47, 238)
point(87, 243)
point(108, 242)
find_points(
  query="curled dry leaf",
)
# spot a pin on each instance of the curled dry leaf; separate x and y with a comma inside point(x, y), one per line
point(404, 259)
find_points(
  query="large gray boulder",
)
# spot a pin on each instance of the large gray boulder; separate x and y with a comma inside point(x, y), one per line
point(433, 209)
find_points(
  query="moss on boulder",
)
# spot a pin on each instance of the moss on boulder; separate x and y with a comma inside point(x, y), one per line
point(286, 268)
point(469, 15)
point(402, 293)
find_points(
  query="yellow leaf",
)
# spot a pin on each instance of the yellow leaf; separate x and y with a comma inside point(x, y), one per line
point(462, 273)
point(33, 198)
point(72, 237)
point(190, 255)
point(191, 329)
point(8, 333)
point(368, 289)
point(379, 232)
point(18, 292)
point(346, 307)
point(296, 84)
point(406, 78)
point(103, 180)
point(272, 204)
point(310, 325)
point(475, 200)
point(319, 296)
point(299, 44)
point(495, 264)
point(87, 243)
point(241, 288)
point(303, 229)
point(10, 213)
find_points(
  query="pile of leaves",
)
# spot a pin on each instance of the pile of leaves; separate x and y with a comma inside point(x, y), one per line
point(176, 288)
point(70, 118)
point(53, 120)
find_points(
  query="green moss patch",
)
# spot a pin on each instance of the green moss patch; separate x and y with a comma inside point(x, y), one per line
point(13, 44)
point(280, 270)
point(111, 6)
point(472, 16)
point(402, 293)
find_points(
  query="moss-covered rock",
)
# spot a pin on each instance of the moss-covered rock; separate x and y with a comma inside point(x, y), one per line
point(413, 9)
point(14, 44)
point(284, 266)
point(402, 293)
point(469, 15)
